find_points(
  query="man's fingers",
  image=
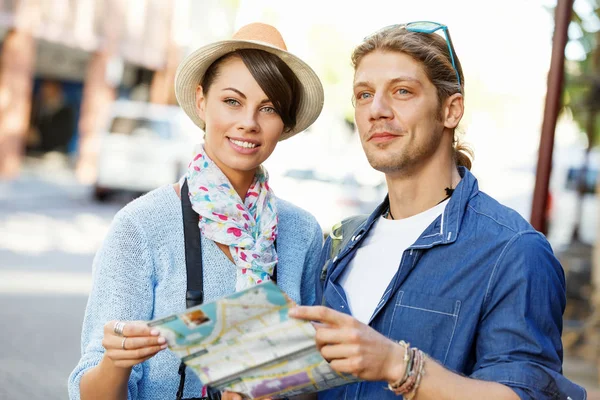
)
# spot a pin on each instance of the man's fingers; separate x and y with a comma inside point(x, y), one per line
point(339, 351)
point(231, 396)
point(327, 335)
point(346, 365)
point(320, 314)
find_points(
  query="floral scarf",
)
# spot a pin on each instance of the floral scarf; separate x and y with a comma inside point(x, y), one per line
point(249, 228)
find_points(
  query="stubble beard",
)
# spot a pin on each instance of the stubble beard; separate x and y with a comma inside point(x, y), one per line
point(401, 158)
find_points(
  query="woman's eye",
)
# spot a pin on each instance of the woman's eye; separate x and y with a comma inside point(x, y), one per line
point(269, 110)
point(363, 96)
point(231, 102)
point(402, 91)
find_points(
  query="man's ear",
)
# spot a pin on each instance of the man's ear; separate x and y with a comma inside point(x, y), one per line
point(453, 110)
point(200, 103)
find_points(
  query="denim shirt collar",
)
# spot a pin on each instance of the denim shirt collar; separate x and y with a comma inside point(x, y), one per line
point(444, 230)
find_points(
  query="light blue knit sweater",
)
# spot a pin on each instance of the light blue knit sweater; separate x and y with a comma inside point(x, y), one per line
point(139, 274)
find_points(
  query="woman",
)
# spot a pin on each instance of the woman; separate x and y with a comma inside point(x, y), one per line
point(247, 94)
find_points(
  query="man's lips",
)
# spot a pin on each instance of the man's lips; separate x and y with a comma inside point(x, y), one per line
point(382, 137)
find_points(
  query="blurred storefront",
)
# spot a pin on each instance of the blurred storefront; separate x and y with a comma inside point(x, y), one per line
point(88, 53)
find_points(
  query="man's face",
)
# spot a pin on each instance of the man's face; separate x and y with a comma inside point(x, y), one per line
point(396, 112)
point(50, 91)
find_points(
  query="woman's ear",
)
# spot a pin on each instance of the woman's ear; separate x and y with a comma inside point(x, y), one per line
point(200, 103)
point(453, 111)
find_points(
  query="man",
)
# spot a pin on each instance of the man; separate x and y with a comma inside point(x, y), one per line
point(472, 291)
point(53, 120)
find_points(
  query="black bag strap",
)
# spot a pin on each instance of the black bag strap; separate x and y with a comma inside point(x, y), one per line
point(194, 294)
point(193, 252)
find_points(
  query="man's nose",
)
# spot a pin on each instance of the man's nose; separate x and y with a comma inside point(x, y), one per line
point(381, 107)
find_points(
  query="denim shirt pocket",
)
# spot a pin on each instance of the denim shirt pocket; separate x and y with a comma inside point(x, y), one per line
point(425, 321)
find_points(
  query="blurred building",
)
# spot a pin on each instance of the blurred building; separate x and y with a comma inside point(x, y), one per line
point(91, 52)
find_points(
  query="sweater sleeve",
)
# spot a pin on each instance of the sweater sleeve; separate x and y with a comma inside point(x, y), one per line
point(311, 265)
point(122, 289)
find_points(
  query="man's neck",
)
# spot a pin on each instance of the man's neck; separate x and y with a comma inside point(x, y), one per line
point(411, 194)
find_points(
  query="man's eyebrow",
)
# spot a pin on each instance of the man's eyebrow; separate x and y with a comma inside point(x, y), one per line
point(243, 96)
point(390, 82)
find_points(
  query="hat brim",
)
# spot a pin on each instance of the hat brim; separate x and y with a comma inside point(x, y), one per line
point(192, 69)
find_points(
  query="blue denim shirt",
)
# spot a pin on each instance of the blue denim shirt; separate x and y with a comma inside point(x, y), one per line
point(480, 291)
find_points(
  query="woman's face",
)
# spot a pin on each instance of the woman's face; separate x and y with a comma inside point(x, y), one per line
point(242, 127)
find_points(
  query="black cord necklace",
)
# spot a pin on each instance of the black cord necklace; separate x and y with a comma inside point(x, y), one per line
point(449, 192)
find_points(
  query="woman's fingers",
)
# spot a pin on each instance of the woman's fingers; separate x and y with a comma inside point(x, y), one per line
point(133, 355)
point(141, 348)
point(130, 328)
point(130, 363)
point(133, 342)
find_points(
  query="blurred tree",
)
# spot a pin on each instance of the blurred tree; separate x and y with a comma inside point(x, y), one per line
point(582, 88)
point(16, 71)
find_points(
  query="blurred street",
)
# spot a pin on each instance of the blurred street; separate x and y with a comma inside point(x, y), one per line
point(49, 230)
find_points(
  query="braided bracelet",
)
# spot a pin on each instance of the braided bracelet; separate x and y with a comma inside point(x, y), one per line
point(421, 371)
point(412, 376)
point(414, 370)
point(408, 361)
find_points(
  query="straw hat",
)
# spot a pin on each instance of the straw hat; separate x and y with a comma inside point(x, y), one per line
point(253, 36)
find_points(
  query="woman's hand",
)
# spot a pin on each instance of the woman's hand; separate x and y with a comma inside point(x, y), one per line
point(128, 343)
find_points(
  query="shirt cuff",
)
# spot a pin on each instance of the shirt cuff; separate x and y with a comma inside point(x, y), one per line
point(531, 381)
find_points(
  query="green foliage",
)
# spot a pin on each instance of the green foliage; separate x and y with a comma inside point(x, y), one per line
point(582, 80)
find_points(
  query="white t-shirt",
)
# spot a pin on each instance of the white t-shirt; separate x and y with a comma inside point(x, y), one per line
point(378, 258)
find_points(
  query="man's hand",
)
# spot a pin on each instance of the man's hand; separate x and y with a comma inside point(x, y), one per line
point(353, 347)
point(232, 396)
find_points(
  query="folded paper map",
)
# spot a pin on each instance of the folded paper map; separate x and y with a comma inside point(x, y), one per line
point(246, 343)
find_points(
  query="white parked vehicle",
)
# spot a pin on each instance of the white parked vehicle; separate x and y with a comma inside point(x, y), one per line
point(143, 146)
